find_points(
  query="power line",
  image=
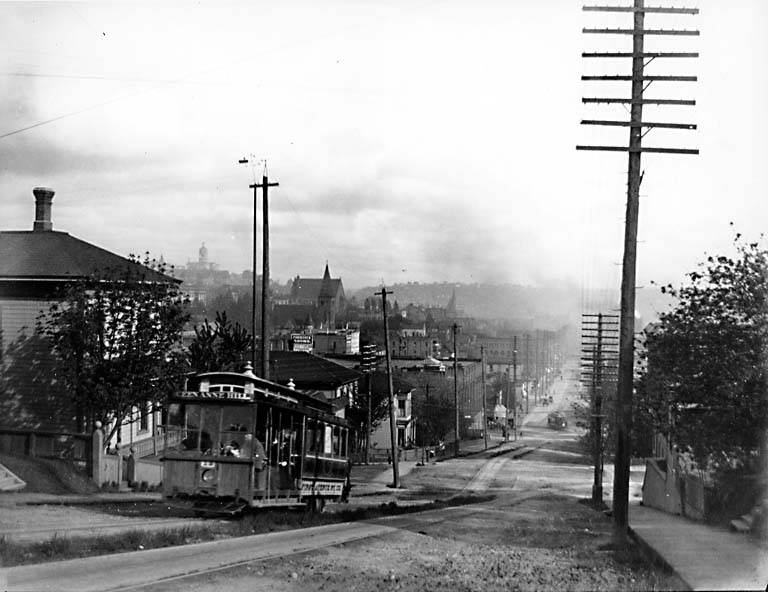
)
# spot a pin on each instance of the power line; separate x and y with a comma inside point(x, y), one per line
point(181, 79)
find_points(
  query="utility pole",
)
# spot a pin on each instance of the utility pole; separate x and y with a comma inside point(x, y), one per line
point(528, 364)
point(507, 406)
point(550, 361)
point(456, 387)
point(264, 185)
point(485, 412)
point(253, 282)
point(392, 402)
point(597, 395)
point(514, 384)
point(537, 367)
point(599, 358)
point(253, 268)
point(368, 363)
point(634, 178)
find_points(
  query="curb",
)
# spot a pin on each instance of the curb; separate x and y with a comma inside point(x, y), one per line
point(92, 501)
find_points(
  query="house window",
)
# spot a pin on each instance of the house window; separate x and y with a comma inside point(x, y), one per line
point(143, 418)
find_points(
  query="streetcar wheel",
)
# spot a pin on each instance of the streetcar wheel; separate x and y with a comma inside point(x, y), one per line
point(316, 504)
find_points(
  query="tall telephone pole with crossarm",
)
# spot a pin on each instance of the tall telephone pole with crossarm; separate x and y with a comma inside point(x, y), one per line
point(640, 83)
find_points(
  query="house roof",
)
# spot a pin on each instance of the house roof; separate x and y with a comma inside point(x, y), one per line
point(309, 371)
point(380, 383)
point(55, 255)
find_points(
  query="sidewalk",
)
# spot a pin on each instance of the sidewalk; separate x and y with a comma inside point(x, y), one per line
point(38, 499)
point(704, 557)
point(381, 482)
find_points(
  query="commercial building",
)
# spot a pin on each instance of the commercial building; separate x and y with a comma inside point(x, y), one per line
point(341, 341)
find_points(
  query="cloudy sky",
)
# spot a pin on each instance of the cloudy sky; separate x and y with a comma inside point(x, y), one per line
point(412, 140)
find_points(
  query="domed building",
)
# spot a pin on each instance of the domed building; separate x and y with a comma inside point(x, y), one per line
point(201, 276)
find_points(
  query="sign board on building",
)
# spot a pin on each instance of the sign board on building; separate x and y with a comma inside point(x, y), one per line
point(301, 342)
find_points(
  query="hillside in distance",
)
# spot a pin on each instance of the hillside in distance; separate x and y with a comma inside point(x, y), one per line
point(544, 307)
point(527, 306)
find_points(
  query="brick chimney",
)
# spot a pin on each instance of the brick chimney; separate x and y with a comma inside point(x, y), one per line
point(43, 201)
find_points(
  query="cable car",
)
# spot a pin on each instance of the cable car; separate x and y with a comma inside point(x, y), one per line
point(239, 438)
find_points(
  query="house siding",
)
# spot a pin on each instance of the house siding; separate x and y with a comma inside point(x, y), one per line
point(29, 395)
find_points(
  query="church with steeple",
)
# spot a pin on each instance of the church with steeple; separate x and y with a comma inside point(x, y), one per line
point(316, 300)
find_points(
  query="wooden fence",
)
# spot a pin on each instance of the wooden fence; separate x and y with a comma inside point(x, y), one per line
point(80, 450)
point(45, 444)
point(155, 444)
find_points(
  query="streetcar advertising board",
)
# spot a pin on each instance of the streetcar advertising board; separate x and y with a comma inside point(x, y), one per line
point(321, 488)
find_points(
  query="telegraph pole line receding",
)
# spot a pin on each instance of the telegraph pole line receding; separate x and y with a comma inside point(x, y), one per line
point(392, 402)
point(635, 149)
point(599, 358)
point(485, 412)
point(528, 365)
point(514, 385)
point(367, 365)
point(456, 389)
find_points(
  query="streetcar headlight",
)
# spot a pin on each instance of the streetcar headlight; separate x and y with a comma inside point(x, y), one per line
point(208, 475)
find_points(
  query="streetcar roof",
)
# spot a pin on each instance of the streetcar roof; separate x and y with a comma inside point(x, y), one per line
point(261, 388)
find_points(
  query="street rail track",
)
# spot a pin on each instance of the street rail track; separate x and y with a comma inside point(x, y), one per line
point(138, 570)
point(411, 522)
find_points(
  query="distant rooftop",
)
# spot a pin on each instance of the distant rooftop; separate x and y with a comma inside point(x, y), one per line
point(309, 371)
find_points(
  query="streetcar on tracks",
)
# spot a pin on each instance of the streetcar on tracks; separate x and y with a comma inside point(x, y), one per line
point(556, 420)
point(235, 440)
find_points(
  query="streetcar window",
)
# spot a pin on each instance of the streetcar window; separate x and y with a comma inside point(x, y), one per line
point(336, 440)
point(191, 432)
point(175, 415)
point(314, 436)
point(284, 442)
point(236, 424)
point(209, 429)
point(327, 440)
point(174, 426)
point(260, 429)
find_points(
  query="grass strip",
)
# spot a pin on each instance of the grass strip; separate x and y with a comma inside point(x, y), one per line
point(60, 548)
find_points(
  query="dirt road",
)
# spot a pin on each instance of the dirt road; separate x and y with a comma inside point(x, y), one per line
point(532, 534)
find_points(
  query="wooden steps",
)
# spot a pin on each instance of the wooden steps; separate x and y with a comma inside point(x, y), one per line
point(9, 481)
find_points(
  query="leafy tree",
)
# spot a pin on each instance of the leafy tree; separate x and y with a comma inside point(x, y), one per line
point(705, 378)
point(357, 412)
point(433, 408)
point(435, 419)
point(117, 336)
point(221, 345)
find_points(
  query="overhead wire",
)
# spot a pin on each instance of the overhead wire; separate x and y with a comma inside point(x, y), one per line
point(164, 83)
